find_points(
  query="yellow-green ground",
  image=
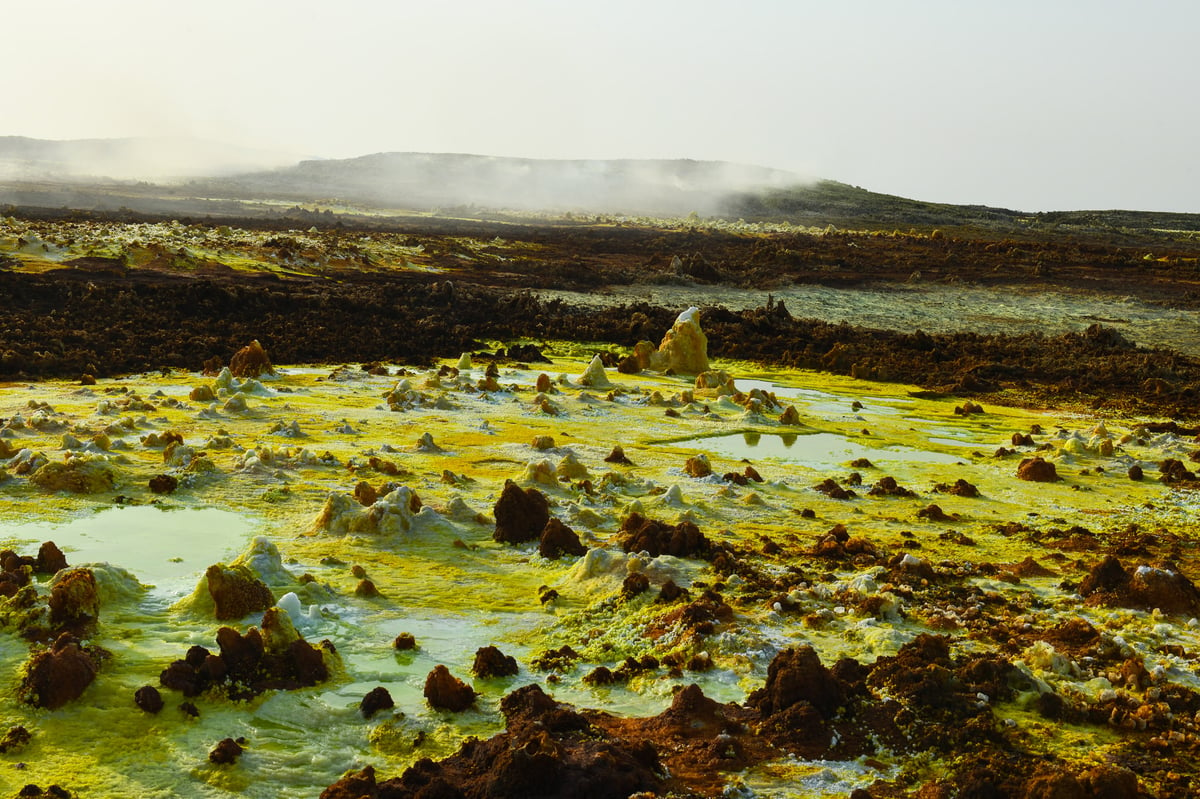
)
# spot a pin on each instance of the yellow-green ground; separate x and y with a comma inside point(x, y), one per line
point(246, 472)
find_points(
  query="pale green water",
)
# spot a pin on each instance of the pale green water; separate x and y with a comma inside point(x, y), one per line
point(160, 546)
point(817, 450)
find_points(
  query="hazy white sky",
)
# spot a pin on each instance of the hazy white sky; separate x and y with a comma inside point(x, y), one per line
point(1029, 104)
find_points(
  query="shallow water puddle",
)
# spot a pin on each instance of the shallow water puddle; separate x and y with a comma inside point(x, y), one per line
point(159, 545)
point(816, 450)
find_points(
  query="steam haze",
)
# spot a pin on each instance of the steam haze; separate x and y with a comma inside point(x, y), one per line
point(1024, 105)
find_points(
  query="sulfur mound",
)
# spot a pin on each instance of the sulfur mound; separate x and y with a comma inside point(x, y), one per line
point(684, 348)
point(74, 600)
point(251, 361)
point(79, 475)
point(399, 511)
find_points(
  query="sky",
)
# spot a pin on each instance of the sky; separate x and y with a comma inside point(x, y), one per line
point(1034, 106)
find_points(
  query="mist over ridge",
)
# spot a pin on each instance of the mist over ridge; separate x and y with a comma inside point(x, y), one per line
point(395, 179)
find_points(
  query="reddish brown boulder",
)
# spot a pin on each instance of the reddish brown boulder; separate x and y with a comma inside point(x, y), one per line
point(960, 488)
point(557, 540)
point(491, 662)
point(521, 514)
point(888, 487)
point(831, 489)
point(58, 675)
point(444, 691)
point(236, 592)
point(934, 513)
point(251, 361)
point(1037, 470)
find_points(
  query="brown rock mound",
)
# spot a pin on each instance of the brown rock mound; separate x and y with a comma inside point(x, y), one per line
point(275, 657)
point(50, 559)
point(236, 592)
point(639, 534)
point(60, 674)
point(1146, 588)
point(521, 514)
point(491, 662)
point(377, 699)
point(73, 600)
point(557, 540)
point(444, 691)
point(226, 752)
point(797, 675)
point(1037, 470)
point(547, 751)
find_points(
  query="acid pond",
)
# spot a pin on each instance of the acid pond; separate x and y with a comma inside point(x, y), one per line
point(295, 480)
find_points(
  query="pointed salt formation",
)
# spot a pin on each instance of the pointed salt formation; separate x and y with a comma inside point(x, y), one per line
point(684, 349)
point(595, 376)
point(464, 362)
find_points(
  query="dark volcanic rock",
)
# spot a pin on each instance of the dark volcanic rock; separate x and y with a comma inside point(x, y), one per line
point(275, 657)
point(376, 699)
point(491, 662)
point(226, 752)
point(547, 751)
point(148, 699)
point(521, 515)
